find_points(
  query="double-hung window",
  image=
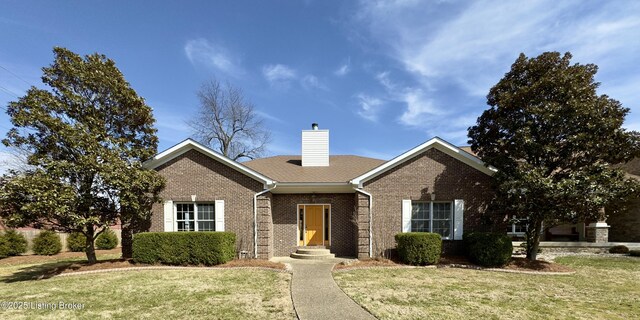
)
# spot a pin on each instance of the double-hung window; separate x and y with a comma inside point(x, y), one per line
point(436, 217)
point(518, 226)
point(195, 216)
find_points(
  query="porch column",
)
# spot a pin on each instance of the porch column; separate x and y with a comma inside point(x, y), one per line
point(598, 232)
point(362, 222)
point(265, 227)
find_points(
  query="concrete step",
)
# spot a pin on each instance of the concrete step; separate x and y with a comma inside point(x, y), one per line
point(306, 256)
point(313, 251)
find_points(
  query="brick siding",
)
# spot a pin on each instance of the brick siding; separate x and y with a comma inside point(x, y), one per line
point(431, 171)
point(625, 225)
point(194, 173)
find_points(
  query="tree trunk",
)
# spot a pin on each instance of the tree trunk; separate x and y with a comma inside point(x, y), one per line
point(533, 240)
point(127, 242)
point(90, 250)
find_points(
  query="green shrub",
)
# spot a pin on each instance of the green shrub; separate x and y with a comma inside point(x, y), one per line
point(107, 240)
point(419, 248)
point(4, 247)
point(619, 249)
point(76, 242)
point(47, 243)
point(488, 249)
point(184, 248)
point(16, 242)
point(634, 253)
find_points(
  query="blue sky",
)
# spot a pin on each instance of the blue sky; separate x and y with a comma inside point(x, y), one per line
point(383, 76)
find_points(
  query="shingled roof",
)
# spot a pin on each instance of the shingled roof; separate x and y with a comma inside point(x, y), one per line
point(289, 168)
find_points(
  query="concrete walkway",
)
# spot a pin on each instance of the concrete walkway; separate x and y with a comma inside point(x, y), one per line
point(316, 296)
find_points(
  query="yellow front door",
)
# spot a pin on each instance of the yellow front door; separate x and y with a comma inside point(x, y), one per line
point(314, 228)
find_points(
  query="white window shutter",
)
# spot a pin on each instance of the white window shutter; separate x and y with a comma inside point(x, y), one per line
point(219, 219)
point(168, 216)
point(458, 220)
point(406, 215)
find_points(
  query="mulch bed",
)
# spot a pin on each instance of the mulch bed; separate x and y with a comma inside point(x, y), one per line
point(516, 264)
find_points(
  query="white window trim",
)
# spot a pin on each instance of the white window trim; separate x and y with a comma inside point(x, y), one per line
point(195, 215)
point(513, 227)
point(451, 219)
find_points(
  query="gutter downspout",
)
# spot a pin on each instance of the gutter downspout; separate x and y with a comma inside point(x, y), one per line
point(370, 219)
point(255, 218)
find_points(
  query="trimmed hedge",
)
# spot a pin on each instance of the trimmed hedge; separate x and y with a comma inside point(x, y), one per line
point(419, 248)
point(107, 240)
point(619, 249)
point(16, 242)
point(184, 248)
point(634, 253)
point(47, 243)
point(76, 242)
point(4, 247)
point(488, 249)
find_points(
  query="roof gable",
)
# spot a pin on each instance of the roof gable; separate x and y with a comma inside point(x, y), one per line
point(437, 143)
point(190, 144)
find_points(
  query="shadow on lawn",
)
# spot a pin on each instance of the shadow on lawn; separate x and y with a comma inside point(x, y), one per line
point(38, 272)
point(51, 269)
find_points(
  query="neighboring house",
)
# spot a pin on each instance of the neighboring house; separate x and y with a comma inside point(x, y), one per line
point(350, 204)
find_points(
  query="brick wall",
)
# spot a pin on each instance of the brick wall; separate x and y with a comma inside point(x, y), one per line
point(625, 225)
point(285, 228)
point(431, 171)
point(194, 173)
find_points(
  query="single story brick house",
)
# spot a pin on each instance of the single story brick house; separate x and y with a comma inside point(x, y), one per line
point(350, 204)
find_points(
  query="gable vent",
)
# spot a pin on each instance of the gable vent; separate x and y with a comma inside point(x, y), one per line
point(315, 147)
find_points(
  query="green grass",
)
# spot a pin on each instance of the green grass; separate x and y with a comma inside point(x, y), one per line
point(601, 288)
point(150, 294)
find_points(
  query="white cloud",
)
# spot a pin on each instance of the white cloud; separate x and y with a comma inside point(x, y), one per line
point(419, 108)
point(453, 52)
point(344, 69)
point(268, 116)
point(278, 73)
point(385, 81)
point(370, 106)
point(202, 51)
point(311, 82)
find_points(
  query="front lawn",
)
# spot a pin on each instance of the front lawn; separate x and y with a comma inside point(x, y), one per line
point(150, 294)
point(601, 288)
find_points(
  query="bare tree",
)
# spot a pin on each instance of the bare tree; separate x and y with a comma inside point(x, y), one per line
point(229, 123)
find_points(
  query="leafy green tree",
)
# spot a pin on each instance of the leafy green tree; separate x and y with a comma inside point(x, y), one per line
point(555, 142)
point(87, 138)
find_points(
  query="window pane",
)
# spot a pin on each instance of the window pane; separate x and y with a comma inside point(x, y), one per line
point(300, 224)
point(443, 227)
point(420, 210)
point(441, 211)
point(326, 224)
point(184, 211)
point(185, 226)
point(205, 226)
point(205, 211)
point(420, 226)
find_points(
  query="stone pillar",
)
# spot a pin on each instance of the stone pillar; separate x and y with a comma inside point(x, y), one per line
point(362, 223)
point(265, 227)
point(598, 232)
